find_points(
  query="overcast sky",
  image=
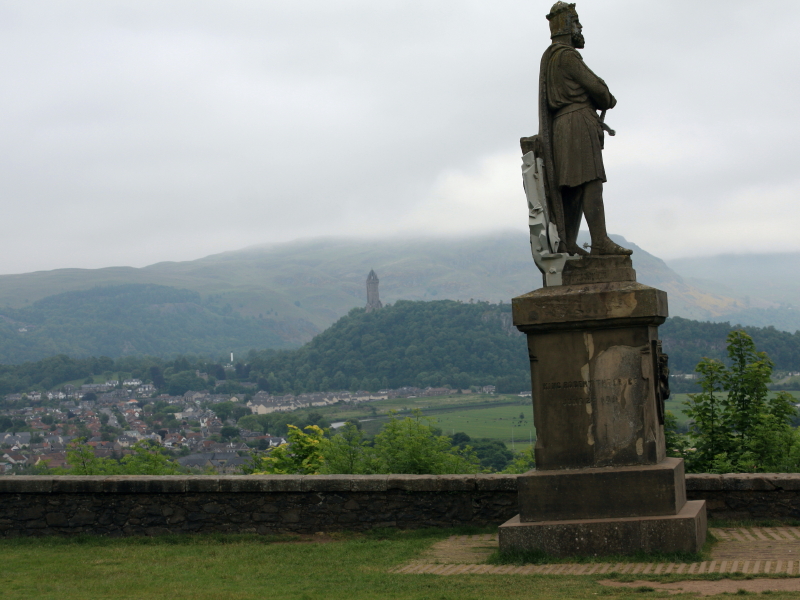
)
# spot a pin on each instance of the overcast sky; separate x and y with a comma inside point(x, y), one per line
point(136, 132)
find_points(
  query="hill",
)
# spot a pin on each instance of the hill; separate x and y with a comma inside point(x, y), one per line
point(409, 343)
point(768, 285)
point(688, 341)
point(288, 293)
point(133, 319)
point(421, 344)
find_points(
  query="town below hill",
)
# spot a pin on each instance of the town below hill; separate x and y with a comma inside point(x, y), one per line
point(203, 412)
point(201, 431)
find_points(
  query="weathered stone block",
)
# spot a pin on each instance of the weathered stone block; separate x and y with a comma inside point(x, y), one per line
point(413, 483)
point(235, 484)
point(77, 484)
point(31, 513)
point(202, 483)
point(56, 520)
point(703, 482)
point(283, 483)
point(82, 517)
point(746, 481)
point(684, 532)
point(596, 305)
point(144, 484)
point(496, 483)
point(609, 492)
point(20, 484)
point(784, 481)
point(456, 483)
point(368, 483)
point(325, 483)
point(598, 269)
point(593, 356)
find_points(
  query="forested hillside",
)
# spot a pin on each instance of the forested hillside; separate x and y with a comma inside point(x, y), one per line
point(688, 341)
point(281, 296)
point(132, 319)
point(409, 343)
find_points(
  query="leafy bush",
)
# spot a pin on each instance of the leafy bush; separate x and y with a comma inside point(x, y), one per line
point(737, 426)
point(146, 458)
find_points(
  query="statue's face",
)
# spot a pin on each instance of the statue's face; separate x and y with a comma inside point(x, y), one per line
point(577, 36)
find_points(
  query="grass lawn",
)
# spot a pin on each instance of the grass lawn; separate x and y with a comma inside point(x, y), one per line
point(498, 423)
point(348, 566)
point(479, 415)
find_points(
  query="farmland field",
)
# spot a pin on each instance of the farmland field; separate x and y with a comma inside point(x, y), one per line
point(477, 415)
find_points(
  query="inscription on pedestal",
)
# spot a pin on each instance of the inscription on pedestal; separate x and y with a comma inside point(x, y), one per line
point(593, 380)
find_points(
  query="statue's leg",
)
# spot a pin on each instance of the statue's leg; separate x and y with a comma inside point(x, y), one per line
point(595, 215)
point(572, 198)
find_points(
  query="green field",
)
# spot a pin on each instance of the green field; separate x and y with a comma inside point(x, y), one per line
point(478, 415)
point(496, 422)
point(343, 566)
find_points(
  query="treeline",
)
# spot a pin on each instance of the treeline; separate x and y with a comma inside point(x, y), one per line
point(174, 377)
point(687, 342)
point(421, 344)
point(133, 319)
point(404, 445)
point(438, 344)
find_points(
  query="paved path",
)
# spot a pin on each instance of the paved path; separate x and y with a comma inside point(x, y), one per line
point(751, 550)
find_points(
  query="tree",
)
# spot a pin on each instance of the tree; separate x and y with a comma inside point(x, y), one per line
point(523, 462)
point(347, 452)
point(412, 445)
point(81, 457)
point(301, 455)
point(737, 426)
point(157, 376)
point(184, 381)
point(227, 433)
point(706, 409)
point(148, 458)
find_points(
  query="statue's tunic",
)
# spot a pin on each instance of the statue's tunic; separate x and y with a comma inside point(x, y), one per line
point(574, 94)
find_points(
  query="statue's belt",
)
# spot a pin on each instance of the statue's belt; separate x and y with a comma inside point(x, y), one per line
point(565, 110)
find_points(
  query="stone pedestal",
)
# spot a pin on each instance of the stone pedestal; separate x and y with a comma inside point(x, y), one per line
point(601, 470)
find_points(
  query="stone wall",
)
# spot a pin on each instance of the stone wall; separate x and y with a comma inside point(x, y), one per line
point(136, 505)
point(141, 505)
point(742, 496)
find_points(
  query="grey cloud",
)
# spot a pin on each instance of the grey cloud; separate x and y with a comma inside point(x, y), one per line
point(134, 132)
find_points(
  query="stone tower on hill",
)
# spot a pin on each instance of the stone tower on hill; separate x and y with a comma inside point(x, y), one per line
point(373, 299)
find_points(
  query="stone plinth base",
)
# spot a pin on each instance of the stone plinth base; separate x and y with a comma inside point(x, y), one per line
point(602, 493)
point(684, 532)
point(598, 269)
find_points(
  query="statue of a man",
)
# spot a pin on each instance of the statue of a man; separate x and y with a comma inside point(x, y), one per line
point(570, 139)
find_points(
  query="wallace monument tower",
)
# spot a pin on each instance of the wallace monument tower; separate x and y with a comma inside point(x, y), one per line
point(602, 483)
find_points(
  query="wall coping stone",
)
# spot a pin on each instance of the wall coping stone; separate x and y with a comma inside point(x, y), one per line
point(176, 484)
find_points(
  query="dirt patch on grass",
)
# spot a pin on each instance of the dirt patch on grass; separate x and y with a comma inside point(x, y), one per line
point(463, 549)
point(309, 538)
point(710, 588)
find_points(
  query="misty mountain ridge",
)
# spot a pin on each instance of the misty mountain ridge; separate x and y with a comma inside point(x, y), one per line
point(282, 295)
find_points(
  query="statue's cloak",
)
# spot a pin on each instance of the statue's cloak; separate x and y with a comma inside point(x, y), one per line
point(545, 147)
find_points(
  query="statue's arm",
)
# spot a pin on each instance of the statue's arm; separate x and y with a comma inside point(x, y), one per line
point(595, 87)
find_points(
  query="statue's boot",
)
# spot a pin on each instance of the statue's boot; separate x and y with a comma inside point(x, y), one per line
point(608, 248)
point(574, 249)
